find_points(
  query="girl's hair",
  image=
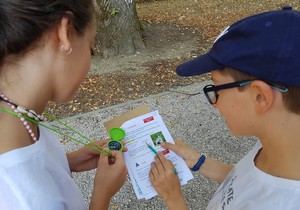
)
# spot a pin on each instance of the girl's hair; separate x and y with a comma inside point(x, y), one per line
point(291, 99)
point(23, 22)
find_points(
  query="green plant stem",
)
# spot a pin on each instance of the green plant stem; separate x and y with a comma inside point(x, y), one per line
point(98, 148)
point(72, 129)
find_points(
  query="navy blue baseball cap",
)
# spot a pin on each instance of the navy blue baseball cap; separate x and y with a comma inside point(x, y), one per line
point(266, 46)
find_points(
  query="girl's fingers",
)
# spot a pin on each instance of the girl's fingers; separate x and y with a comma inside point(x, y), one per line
point(103, 159)
point(101, 142)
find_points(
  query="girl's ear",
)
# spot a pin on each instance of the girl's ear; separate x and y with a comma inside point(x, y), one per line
point(64, 33)
point(262, 96)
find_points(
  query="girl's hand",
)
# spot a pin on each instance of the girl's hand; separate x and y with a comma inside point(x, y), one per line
point(189, 154)
point(110, 176)
point(111, 173)
point(85, 158)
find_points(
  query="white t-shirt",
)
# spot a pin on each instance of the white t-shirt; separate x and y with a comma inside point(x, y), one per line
point(246, 187)
point(38, 177)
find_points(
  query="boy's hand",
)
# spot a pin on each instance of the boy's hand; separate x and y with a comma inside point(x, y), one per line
point(189, 154)
point(166, 182)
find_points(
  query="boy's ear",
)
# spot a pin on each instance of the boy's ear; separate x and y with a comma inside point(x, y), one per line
point(262, 96)
point(64, 32)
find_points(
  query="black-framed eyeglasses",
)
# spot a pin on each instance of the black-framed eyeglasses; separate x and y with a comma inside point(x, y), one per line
point(92, 51)
point(211, 91)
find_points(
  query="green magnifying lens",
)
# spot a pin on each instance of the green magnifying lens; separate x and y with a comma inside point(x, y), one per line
point(116, 135)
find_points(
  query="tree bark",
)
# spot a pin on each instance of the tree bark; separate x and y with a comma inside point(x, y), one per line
point(119, 30)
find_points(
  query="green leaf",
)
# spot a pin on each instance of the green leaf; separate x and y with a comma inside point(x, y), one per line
point(114, 11)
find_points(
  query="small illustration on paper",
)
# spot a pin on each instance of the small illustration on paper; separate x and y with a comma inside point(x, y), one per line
point(157, 138)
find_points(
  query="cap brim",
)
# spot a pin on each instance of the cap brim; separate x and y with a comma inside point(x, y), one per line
point(200, 65)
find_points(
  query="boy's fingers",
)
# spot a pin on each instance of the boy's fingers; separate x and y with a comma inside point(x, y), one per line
point(167, 145)
point(153, 170)
point(174, 147)
point(165, 164)
point(158, 162)
point(163, 159)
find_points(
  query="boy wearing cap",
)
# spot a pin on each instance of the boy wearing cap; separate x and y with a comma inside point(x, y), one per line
point(255, 68)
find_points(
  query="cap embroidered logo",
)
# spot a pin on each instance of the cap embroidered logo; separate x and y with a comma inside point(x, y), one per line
point(225, 31)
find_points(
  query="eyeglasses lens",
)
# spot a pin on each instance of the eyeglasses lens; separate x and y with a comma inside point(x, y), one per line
point(212, 96)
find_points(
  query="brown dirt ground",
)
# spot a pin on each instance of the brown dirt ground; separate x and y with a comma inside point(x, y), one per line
point(177, 21)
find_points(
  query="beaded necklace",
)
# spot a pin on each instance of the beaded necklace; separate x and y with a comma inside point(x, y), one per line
point(19, 109)
point(26, 115)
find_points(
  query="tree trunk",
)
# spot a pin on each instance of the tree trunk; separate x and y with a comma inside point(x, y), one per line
point(118, 28)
